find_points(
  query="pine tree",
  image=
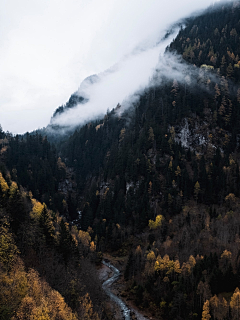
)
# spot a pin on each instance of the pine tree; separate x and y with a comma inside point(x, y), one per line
point(66, 244)
point(46, 225)
point(196, 190)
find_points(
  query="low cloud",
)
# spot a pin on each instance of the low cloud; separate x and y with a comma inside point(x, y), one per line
point(49, 47)
point(126, 81)
point(114, 86)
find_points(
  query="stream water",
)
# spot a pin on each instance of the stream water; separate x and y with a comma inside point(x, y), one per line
point(106, 285)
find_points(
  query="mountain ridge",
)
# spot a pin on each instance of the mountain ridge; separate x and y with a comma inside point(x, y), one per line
point(156, 185)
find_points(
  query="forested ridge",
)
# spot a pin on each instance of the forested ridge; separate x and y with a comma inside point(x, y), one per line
point(157, 184)
point(47, 266)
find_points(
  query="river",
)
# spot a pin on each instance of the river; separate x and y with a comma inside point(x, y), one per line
point(126, 311)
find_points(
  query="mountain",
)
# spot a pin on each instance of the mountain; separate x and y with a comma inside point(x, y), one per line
point(156, 185)
point(79, 97)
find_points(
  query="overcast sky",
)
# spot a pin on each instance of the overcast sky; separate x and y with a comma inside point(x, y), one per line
point(48, 47)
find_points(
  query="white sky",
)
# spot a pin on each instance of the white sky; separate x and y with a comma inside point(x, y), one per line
point(48, 47)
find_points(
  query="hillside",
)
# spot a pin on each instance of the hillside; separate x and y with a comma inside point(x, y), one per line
point(157, 184)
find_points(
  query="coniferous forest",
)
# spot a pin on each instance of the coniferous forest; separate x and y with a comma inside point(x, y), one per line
point(156, 186)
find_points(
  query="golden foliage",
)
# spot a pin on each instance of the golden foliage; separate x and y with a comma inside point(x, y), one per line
point(8, 249)
point(84, 237)
point(166, 265)
point(13, 189)
point(219, 308)
point(36, 209)
point(41, 302)
point(192, 261)
point(24, 295)
point(226, 255)
point(205, 313)
point(151, 256)
point(3, 185)
point(92, 246)
point(178, 171)
point(13, 287)
point(157, 223)
point(235, 304)
point(86, 311)
point(150, 187)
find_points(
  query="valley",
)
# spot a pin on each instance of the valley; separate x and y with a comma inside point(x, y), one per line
point(133, 215)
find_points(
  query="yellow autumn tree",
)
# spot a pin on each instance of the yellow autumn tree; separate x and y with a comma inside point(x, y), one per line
point(192, 261)
point(178, 171)
point(8, 249)
point(214, 304)
point(37, 208)
point(177, 267)
point(41, 302)
point(84, 238)
point(222, 310)
point(205, 313)
point(150, 264)
point(157, 223)
point(13, 288)
point(86, 309)
point(13, 190)
point(3, 185)
point(151, 256)
point(92, 246)
point(235, 305)
point(225, 259)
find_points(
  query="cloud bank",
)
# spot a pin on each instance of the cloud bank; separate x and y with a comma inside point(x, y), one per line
point(113, 86)
point(49, 47)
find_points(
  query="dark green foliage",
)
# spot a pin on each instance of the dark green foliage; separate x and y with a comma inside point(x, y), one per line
point(34, 163)
point(210, 37)
point(132, 166)
point(67, 246)
point(72, 102)
point(120, 154)
point(46, 225)
point(8, 248)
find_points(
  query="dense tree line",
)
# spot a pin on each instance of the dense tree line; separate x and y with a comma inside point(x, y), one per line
point(213, 39)
point(135, 165)
point(46, 269)
point(34, 163)
point(159, 182)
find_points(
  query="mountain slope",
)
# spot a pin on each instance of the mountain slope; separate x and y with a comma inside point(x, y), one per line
point(45, 268)
point(174, 155)
point(159, 183)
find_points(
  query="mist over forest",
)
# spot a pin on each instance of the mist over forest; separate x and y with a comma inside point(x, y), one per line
point(126, 204)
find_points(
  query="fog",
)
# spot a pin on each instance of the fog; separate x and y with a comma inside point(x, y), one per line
point(114, 86)
point(49, 47)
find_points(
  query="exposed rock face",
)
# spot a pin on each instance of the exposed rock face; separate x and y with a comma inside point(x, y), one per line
point(199, 134)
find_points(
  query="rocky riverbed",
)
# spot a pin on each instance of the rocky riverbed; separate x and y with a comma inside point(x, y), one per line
point(109, 275)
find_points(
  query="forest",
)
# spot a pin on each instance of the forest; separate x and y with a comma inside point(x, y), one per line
point(156, 185)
